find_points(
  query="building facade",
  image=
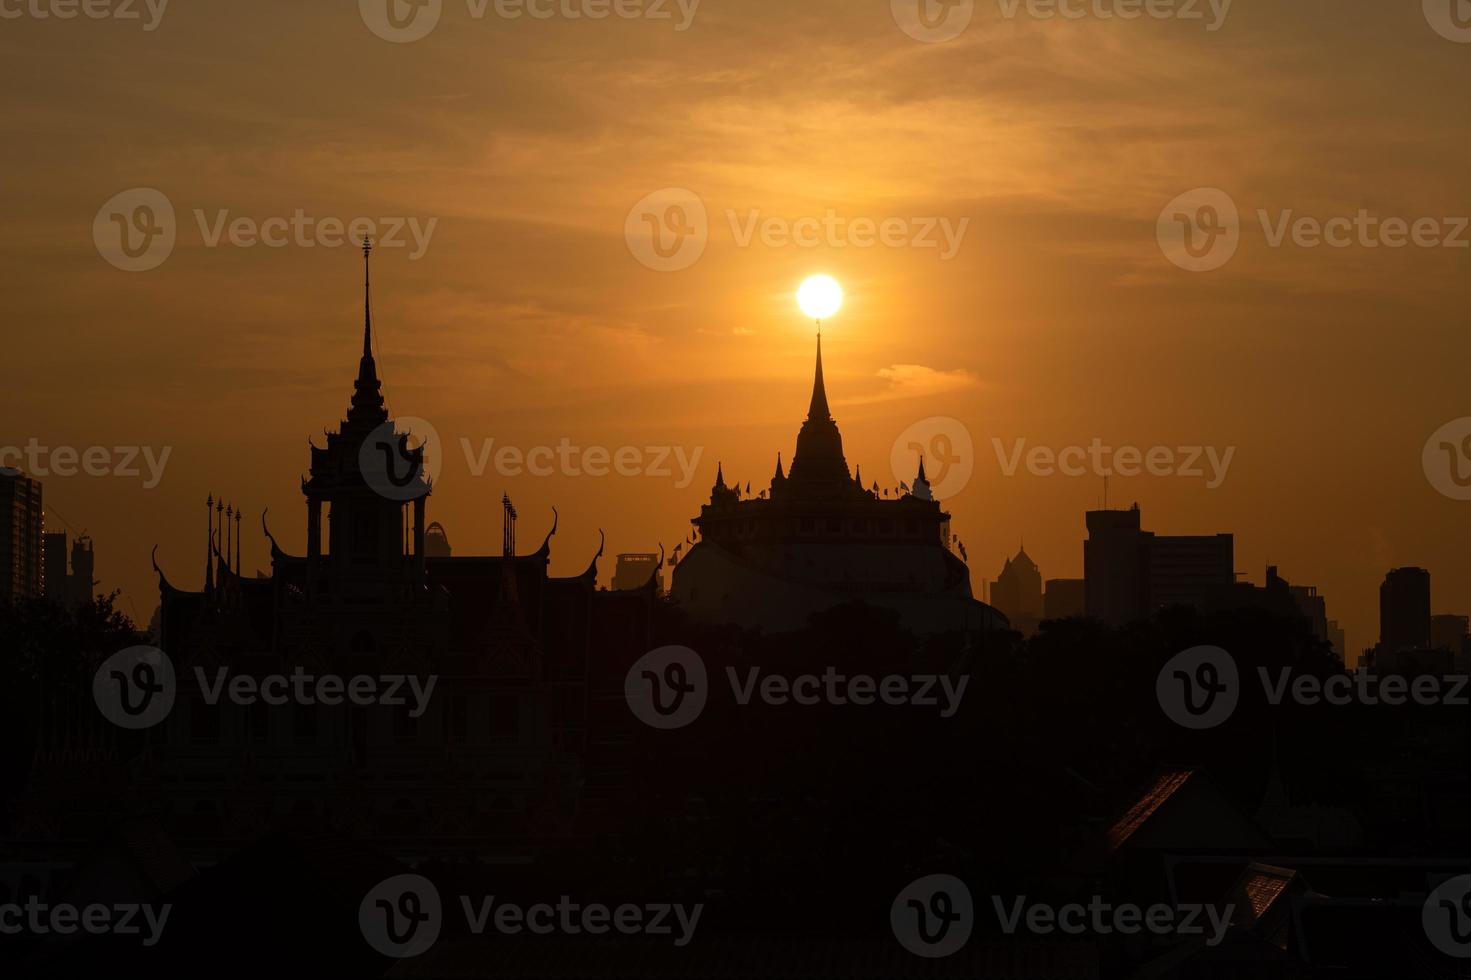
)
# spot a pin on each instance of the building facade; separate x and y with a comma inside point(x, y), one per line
point(22, 526)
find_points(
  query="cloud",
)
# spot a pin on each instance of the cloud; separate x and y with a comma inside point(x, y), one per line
point(916, 381)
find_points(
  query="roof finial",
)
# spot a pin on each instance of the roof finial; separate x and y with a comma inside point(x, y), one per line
point(818, 409)
point(367, 301)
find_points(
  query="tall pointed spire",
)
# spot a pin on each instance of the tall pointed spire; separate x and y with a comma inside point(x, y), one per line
point(367, 300)
point(818, 468)
point(209, 545)
point(367, 397)
point(818, 410)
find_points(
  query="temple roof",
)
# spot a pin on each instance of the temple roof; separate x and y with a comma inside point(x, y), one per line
point(819, 469)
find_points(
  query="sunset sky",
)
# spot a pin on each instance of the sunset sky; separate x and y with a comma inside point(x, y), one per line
point(529, 320)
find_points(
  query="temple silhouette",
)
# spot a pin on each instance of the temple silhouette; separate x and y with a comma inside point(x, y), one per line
point(818, 538)
point(502, 756)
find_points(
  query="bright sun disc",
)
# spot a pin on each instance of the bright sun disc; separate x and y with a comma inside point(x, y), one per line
point(820, 297)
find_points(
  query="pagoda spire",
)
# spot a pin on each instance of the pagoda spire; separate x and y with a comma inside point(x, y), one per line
point(367, 300)
point(779, 474)
point(818, 410)
point(367, 398)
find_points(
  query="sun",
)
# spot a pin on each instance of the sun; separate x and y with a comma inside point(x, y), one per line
point(820, 297)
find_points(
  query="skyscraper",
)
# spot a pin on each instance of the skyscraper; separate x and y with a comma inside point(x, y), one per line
point(1129, 573)
point(1064, 598)
point(73, 588)
point(1404, 610)
point(1449, 632)
point(22, 525)
point(1017, 592)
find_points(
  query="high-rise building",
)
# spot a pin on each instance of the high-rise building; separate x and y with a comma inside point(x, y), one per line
point(80, 583)
point(1113, 566)
point(1064, 598)
point(634, 571)
point(1129, 573)
point(22, 524)
point(1404, 610)
point(1338, 640)
point(1449, 632)
point(72, 588)
point(1017, 592)
point(54, 565)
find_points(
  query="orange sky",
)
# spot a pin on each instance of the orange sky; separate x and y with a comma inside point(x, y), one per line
point(528, 320)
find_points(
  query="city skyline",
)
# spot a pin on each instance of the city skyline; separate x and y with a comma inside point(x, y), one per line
point(461, 456)
point(526, 318)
